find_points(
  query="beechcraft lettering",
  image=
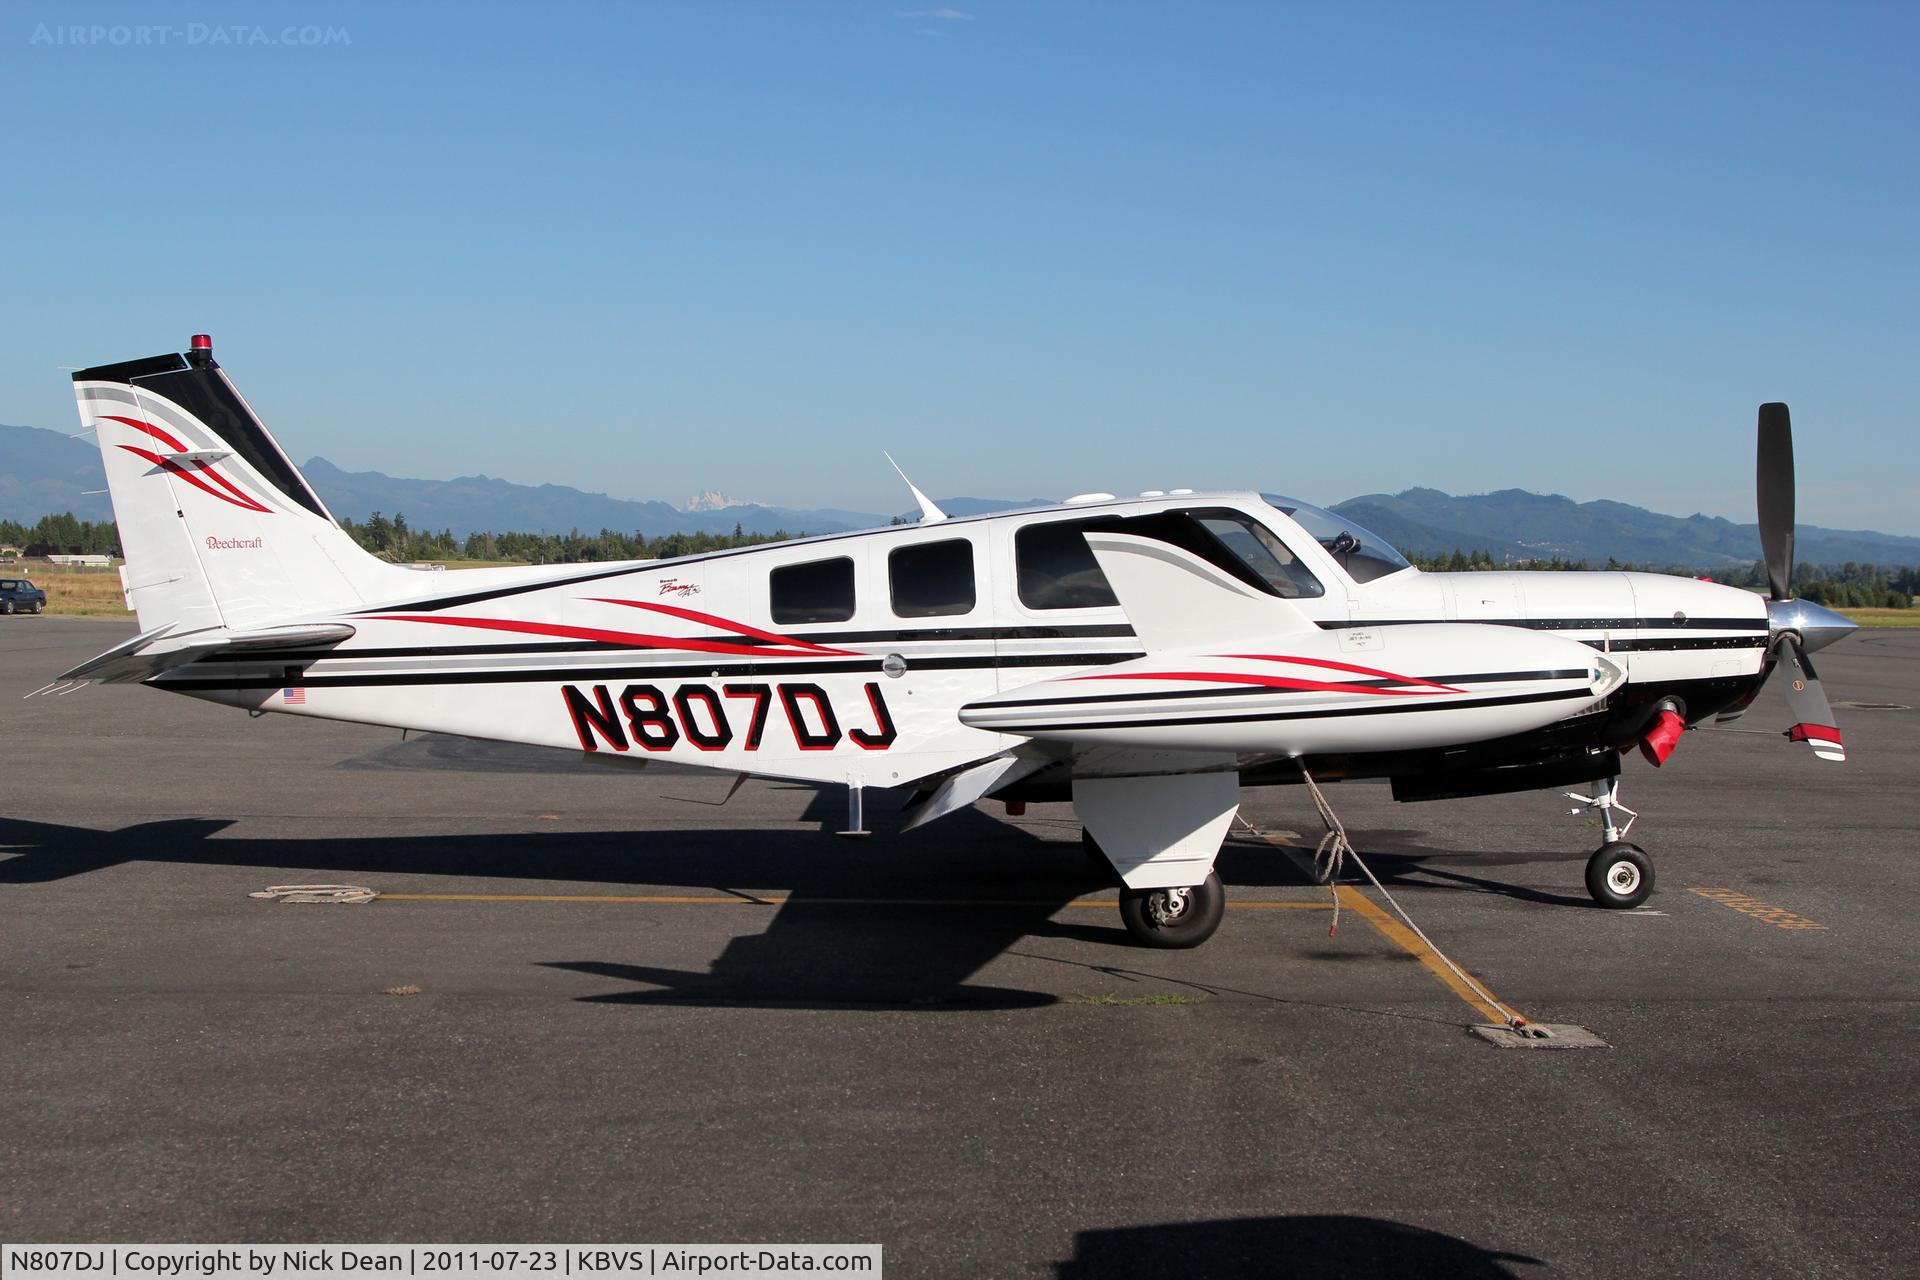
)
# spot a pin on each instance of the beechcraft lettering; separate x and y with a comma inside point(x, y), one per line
point(1144, 658)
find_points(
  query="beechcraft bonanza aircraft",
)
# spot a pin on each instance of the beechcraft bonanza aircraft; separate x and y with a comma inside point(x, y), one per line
point(1145, 657)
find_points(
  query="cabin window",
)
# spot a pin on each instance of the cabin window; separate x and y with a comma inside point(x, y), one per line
point(818, 591)
point(1055, 569)
point(1256, 547)
point(932, 579)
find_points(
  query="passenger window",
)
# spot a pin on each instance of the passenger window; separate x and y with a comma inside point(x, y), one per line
point(820, 591)
point(932, 579)
point(1055, 569)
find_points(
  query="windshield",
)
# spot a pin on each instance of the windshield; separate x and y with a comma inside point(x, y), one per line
point(1365, 556)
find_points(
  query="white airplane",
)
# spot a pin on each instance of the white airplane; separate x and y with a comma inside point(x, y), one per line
point(1144, 657)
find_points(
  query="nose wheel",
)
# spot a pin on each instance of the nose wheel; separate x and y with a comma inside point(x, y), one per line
point(1620, 875)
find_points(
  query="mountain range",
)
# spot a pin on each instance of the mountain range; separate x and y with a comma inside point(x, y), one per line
point(44, 472)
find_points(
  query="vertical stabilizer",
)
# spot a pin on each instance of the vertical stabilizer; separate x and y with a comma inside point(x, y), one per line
point(218, 526)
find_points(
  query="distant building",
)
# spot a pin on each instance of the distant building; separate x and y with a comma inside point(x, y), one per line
point(81, 561)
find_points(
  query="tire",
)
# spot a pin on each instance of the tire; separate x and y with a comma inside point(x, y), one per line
point(37, 607)
point(6, 606)
point(1144, 913)
point(1620, 875)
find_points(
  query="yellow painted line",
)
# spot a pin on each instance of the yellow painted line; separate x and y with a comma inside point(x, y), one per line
point(1748, 905)
point(742, 900)
point(730, 899)
point(1409, 941)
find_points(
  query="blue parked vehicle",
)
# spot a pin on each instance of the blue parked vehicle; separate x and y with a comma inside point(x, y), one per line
point(17, 595)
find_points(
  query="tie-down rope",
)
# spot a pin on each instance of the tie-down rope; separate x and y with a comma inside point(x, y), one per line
point(1330, 855)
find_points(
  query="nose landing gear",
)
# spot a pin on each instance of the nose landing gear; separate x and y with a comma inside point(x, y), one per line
point(1619, 874)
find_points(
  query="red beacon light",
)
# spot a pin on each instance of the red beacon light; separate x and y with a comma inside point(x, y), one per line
point(200, 351)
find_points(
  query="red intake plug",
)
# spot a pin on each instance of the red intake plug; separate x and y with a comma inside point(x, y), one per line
point(1663, 737)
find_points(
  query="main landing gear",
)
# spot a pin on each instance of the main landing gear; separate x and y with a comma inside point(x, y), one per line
point(1169, 919)
point(1174, 919)
point(1619, 874)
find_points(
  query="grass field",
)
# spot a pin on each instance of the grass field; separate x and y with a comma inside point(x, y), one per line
point(75, 593)
point(95, 593)
point(1884, 617)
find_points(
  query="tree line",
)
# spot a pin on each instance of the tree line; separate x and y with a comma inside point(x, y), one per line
point(393, 539)
point(1852, 585)
point(64, 534)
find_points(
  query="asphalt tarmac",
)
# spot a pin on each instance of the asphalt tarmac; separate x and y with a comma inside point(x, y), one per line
point(640, 1014)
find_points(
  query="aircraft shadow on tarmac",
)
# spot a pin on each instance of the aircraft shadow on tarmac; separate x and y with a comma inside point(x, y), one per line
point(1283, 1248)
point(881, 923)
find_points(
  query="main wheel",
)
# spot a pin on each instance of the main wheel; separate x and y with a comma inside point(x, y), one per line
point(1620, 875)
point(1174, 918)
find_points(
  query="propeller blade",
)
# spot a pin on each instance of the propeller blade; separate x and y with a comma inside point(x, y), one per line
point(1773, 471)
point(1808, 702)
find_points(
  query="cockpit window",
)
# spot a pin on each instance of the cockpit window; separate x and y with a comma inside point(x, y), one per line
point(1365, 556)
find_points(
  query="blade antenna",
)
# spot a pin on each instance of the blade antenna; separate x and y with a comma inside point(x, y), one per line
point(929, 512)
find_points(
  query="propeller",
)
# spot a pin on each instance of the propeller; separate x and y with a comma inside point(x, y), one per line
point(1796, 625)
point(1773, 475)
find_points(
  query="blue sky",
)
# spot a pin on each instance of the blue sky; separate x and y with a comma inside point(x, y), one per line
point(1031, 248)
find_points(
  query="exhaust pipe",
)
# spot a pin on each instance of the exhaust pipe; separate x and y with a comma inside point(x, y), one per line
point(1663, 731)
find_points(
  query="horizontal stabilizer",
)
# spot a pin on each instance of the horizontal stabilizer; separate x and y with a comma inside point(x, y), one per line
point(153, 652)
point(1178, 602)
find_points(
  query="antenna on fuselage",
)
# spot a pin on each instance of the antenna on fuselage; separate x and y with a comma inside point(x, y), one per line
point(929, 513)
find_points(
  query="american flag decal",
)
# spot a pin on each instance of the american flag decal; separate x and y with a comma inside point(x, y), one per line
point(294, 697)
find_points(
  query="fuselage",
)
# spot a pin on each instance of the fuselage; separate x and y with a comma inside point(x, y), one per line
point(844, 658)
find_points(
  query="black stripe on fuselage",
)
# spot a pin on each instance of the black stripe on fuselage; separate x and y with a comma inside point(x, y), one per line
point(1245, 690)
point(1397, 708)
point(929, 635)
point(1563, 624)
point(572, 675)
point(690, 667)
point(942, 636)
point(1667, 645)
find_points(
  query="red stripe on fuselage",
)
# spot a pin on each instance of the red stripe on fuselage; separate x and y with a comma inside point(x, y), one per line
point(630, 639)
point(1330, 665)
point(724, 624)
